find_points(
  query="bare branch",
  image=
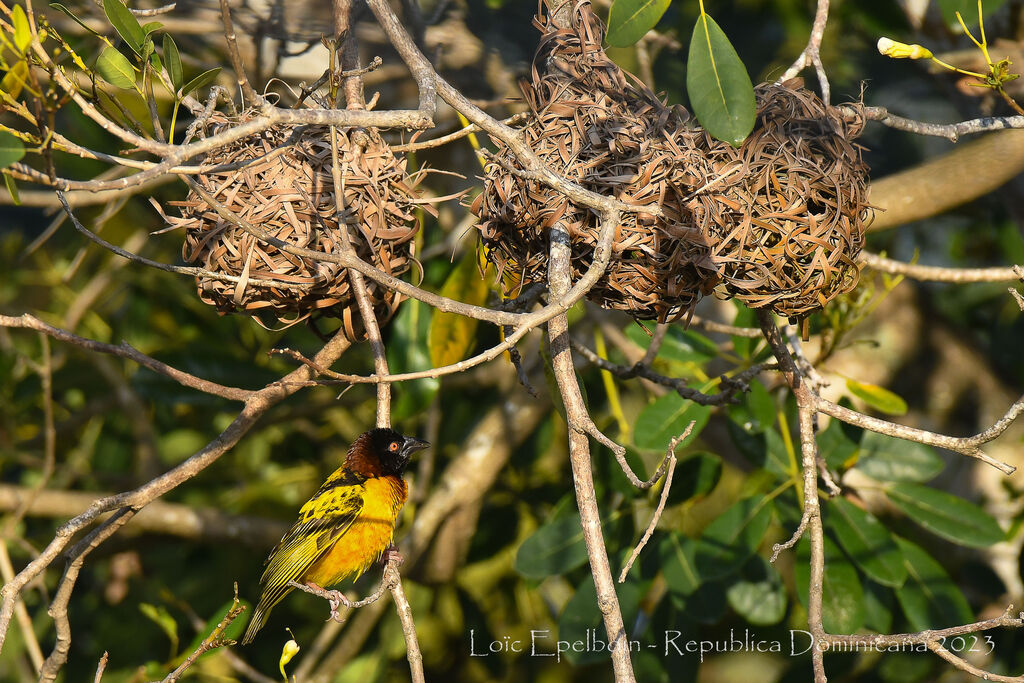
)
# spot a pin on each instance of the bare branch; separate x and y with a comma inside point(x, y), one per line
point(937, 273)
point(950, 131)
point(211, 642)
point(125, 350)
point(811, 54)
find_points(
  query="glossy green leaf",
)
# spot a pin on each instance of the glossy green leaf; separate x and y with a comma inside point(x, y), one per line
point(125, 23)
point(115, 69)
point(696, 475)
point(665, 419)
point(842, 597)
point(407, 352)
point(201, 81)
point(453, 336)
point(22, 32)
point(866, 541)
point(554, 548)
point(720, 91)
point(946, 515)
point(759, 596)
point(929, 597)
point(151, 27)
point(878, 606)
point(11, 149)
point(678, 344)
point(676, 554)
point(61, 8)
point(761, 405)
point(581, 621)
point(838, 449)
point(732, 537)
point(173, 61)
point(629, 20)
point(890, 459)
point(879, 398)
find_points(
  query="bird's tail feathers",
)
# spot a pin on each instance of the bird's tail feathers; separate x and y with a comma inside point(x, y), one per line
point(267, 602)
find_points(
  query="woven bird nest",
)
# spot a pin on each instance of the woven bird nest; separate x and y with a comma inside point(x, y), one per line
point(592, 126)
point(280, 180)
point(786, 215)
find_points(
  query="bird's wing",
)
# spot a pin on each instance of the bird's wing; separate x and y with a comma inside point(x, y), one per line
point(322, 520)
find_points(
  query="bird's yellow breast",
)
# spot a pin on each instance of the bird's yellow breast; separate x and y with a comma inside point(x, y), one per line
point(369, 536)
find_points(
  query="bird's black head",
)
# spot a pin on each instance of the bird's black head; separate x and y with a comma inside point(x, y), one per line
point(392, 449)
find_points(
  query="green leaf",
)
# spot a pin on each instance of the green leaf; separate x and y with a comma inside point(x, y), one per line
point(761, 405)
point(61, 8)
point(928, 597)
point(679, 345)
point(629, 20)
point(878, 605)
point(838, 449)
point(759, 596)
point(12, 189)
point(201, 81)
point(696, 475)
point(11, 149)
point(125, 23)
point(732, 537)
point(453, 336)
point(879, 398)
point(665, 419)
point(581, 619)
point(842, 597)
point(946, 515)
point(719, 87)
point(14, 80)
point(407, 352)
point(868, 543)
point(115, 69)
point(676, 553)
point(554, 548)
point(173, 61)
point(22, 32)
point(151, 27)
point(162, 618)
point(887, 458)
point(968, 9)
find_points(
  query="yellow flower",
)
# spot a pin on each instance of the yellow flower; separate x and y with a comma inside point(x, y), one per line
point(896, 50)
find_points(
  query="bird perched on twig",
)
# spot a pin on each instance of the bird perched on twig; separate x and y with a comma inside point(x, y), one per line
point(346, 526)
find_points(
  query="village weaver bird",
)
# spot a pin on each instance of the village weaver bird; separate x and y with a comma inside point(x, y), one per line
point(345, 527)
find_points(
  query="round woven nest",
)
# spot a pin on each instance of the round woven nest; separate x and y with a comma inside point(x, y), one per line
point(594, 126)
point(785, 212)
point(280, 180)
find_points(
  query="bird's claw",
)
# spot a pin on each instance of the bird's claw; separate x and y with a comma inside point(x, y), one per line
point(337, 599)
point(392, 554)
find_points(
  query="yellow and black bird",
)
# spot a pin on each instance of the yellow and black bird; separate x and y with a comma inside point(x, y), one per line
point(346, 526)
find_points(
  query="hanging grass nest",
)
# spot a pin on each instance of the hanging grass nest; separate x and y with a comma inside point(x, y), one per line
point(594, 126)
point(786, 219)
point(280, 180)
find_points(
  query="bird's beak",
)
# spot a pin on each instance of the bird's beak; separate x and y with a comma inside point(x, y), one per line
point(412, 445)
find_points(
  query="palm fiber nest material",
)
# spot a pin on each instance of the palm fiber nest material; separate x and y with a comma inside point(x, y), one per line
point(593, 127)
point(281, 180)
point(778, 222)
point(786, 233)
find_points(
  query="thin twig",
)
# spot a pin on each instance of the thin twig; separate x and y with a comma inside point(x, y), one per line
point(101, 667)
point(950, 131)
point(125, 350)
point(811, 54)
point(670, 456)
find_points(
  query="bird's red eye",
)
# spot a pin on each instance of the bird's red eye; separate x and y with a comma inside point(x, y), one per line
point(393, 447)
